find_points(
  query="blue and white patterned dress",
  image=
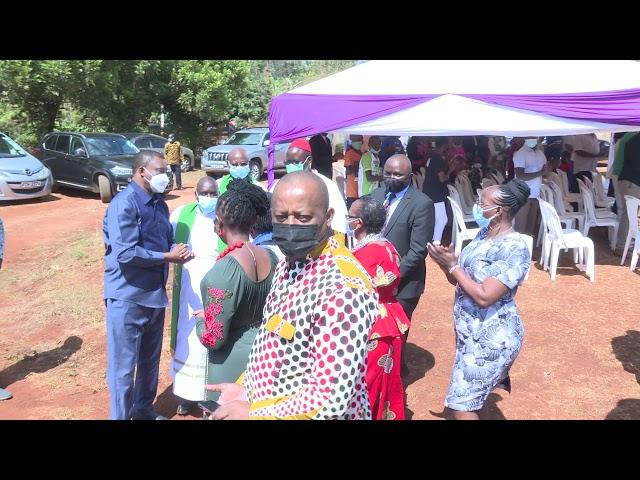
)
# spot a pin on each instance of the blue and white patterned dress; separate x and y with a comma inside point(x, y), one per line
point(487, 339)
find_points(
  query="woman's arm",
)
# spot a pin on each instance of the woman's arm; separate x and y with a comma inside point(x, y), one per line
point(483, 294)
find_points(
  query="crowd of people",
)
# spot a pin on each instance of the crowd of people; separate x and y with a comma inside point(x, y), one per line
point(274, 316)
point(296, 302)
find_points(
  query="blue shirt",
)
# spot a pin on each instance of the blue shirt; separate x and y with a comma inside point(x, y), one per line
point(394, 203)
point(137, 233)
point(265, 238)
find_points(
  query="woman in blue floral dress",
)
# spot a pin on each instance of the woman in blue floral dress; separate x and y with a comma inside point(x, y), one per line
point(488, 327)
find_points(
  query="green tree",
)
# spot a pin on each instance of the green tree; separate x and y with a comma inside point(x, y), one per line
point(36, 89)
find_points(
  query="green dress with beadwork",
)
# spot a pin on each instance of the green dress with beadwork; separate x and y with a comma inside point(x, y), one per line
point(233, 305)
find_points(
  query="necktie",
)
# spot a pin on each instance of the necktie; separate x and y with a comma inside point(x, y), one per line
point(388, 200)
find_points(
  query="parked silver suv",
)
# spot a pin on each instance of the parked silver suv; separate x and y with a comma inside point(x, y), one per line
point(255, 141)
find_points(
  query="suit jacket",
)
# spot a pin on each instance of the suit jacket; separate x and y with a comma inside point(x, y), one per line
point(322, 155)
point(409, 229)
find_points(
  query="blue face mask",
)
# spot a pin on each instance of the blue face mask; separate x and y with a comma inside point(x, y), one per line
point(478, 216)
point(207, 204)
point(294, 167)
point(350, 231)
point(239, 171)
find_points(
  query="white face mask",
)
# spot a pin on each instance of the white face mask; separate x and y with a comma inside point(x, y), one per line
point(531, 142)
point(158, 182)
point(374, 151)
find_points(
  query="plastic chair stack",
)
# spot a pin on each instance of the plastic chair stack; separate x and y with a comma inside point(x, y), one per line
point(567, 196)
point(557, 239)
point(605, 219)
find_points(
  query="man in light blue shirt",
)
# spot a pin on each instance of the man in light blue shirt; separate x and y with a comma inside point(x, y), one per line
point(138, 240)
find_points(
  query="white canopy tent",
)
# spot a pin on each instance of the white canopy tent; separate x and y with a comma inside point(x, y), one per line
point(463, 97)
point(451, 114)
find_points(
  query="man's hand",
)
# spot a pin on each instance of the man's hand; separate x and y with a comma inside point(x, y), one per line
point(229, 392)
point(235, 410)
point(179, 254)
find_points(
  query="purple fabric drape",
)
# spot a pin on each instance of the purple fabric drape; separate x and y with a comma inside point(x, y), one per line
point(298, 115)
point(293, 116)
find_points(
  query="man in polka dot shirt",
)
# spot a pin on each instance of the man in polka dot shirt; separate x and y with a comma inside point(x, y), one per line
point(308, 360)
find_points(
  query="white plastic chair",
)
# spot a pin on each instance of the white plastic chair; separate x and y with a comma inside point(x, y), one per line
point(546, 194)
point(591, 220)
point(462, 233)
point(600, 195)
point(561, 210)
point(455, 194)
point(557, 239)
point(463, 184)
point(528, 239)
point(601, 212)
point(633, 204)
point(597, 202)
point(567, 196)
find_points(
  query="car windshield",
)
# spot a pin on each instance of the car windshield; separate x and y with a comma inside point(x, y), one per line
point(10, 149)
point(245, 138)
point(110, 146)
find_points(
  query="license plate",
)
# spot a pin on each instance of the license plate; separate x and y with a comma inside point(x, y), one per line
point(218, 164)
point(31, 184)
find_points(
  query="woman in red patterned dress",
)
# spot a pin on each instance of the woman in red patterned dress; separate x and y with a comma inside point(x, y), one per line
point(381, 261)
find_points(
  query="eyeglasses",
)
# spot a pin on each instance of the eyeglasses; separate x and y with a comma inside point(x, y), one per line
point(351, 217)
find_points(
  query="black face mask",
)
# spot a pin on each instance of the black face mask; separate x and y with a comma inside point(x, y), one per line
point(296, 241)
point(395, 185)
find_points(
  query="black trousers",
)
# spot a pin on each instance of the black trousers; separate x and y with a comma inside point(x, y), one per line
point(177, 173)
point(408, 305)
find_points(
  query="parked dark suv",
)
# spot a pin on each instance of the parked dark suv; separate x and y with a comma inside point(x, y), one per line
point(98, 162)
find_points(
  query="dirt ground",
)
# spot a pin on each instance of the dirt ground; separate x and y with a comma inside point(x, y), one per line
point(580, 359)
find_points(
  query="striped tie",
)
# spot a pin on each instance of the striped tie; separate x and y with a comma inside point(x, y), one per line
point(388, 200)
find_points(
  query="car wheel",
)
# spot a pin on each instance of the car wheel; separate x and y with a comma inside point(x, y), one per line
point(185, 166)
point(104, 186)
point(55, 188)
point(255, 168)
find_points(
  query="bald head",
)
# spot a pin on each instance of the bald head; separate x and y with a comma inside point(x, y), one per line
point(398, 163)
point(207, 185)
point(300, 203)
point(307, 185)
point(238, 157)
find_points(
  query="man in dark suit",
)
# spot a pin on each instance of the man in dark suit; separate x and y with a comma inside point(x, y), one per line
point(409, 227)
point(322, 154)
